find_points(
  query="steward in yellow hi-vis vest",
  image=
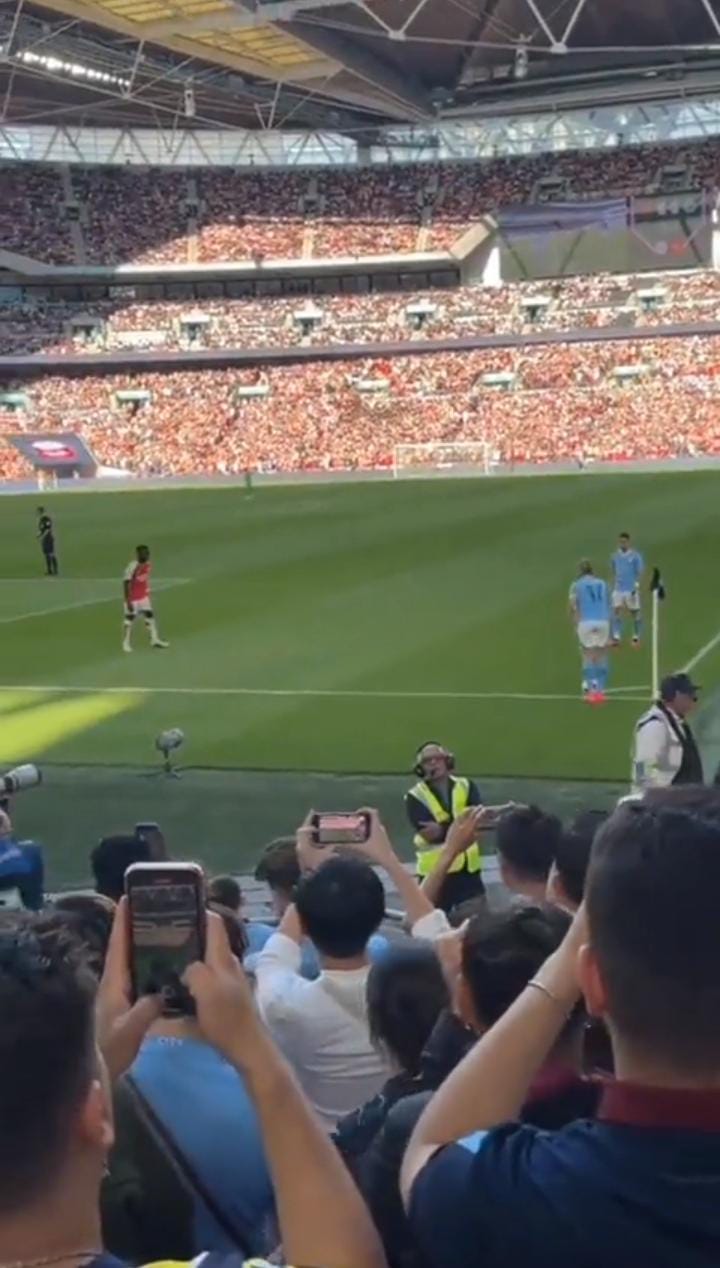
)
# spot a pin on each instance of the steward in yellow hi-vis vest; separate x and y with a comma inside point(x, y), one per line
point(432, 805)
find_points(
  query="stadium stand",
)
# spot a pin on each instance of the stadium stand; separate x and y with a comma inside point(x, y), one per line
point(600, 401)
point(596, 301)
point(155, 216)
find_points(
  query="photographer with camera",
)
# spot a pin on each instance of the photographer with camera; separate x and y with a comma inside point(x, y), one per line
point(22, 869)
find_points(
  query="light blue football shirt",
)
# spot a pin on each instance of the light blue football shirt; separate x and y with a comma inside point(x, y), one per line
point(627, 566)
point(592, 598)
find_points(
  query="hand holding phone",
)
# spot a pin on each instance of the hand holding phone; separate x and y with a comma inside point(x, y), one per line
point(121, 1024)
point(223, 997)
point(167, 923)
point(336, 827)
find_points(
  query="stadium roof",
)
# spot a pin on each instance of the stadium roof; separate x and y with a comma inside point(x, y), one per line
point(348, 67)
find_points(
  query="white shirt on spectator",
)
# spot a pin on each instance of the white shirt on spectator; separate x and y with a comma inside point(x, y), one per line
point(322, 1028)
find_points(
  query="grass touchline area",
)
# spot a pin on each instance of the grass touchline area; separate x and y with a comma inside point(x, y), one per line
point(303, 691)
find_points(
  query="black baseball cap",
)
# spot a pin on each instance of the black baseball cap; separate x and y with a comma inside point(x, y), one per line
point(678, 685)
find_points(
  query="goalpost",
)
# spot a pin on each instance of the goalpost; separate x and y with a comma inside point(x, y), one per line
point(474, 457)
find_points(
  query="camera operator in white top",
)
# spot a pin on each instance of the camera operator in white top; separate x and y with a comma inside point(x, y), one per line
point(664, 747)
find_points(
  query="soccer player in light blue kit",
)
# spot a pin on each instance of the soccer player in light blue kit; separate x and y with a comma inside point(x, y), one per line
point(628, 566)
point(590, 608)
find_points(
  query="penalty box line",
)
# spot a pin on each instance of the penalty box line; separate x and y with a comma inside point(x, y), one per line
point(308, 692)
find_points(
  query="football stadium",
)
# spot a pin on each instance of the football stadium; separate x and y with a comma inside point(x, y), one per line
point(371, 337)
point(360, 633)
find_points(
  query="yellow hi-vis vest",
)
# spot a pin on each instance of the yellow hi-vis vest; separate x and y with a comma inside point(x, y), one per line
point(428, 855)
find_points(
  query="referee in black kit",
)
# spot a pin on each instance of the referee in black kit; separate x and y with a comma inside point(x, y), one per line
point(46, 536)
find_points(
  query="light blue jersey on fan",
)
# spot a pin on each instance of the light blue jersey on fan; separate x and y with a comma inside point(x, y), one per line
point(628, 567)
point(591, 597)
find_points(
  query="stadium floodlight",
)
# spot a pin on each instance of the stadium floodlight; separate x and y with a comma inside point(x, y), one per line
point(166, 743)
point(189, 102)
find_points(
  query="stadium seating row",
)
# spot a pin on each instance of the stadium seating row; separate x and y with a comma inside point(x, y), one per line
point(573, 303)
point(569, 403)
point(111, 216)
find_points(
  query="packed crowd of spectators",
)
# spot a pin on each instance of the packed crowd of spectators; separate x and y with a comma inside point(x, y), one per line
point(531, 1075)
point(160, 216)
point(604, 401)
point(593, 301)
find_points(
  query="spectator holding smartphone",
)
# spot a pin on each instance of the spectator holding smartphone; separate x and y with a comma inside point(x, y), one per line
point(279, 869)
point(322, 1026)
point(55, 1145)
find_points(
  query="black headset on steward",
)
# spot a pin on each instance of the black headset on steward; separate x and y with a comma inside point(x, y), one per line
point(418, 768)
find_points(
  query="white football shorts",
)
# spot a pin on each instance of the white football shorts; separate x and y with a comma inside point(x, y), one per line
point(628, 599)
point(593, 634)
point(139, 607)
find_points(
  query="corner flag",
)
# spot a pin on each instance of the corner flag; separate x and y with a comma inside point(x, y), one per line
point(657, 586)
point(658, 591)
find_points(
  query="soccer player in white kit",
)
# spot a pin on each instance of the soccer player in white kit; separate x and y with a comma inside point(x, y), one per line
point(137, 599)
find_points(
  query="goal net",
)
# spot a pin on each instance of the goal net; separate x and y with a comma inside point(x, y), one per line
point(476, 457)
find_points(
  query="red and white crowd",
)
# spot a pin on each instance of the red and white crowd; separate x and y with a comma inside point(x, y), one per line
point(115, 215)
point(568, 403)
point(283, 321)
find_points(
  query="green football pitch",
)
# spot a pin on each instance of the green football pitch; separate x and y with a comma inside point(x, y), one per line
point(328, 629)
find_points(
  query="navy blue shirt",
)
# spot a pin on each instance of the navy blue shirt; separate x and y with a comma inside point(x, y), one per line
point(638, 1188)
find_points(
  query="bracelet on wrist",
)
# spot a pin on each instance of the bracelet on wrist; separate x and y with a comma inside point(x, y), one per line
point(536, 985)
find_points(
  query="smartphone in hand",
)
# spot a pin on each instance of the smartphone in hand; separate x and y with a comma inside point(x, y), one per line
point(167, 915)
point(340, 827)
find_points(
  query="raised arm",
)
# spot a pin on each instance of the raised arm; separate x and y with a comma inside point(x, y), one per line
point(323, 1220)
point(491, 1083)
point(462, 833)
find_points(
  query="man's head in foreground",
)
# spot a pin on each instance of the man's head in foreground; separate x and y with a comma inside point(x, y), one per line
point(341, 906)
point(280, 871)
point(111, 859)
point(56, 1124)
point(527, 841)
point(226, 891)
point(566, 883)
point(501, 951)
point(652, 965)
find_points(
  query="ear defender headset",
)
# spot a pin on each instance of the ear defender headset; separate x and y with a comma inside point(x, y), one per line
point(418, 767)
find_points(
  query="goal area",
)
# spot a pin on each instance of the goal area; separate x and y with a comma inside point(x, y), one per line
point(471, 458)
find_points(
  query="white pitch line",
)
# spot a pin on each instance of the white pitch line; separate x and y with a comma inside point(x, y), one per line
point(83, 603)
point(709, 647)
point(311, 692)
point(100, 581)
